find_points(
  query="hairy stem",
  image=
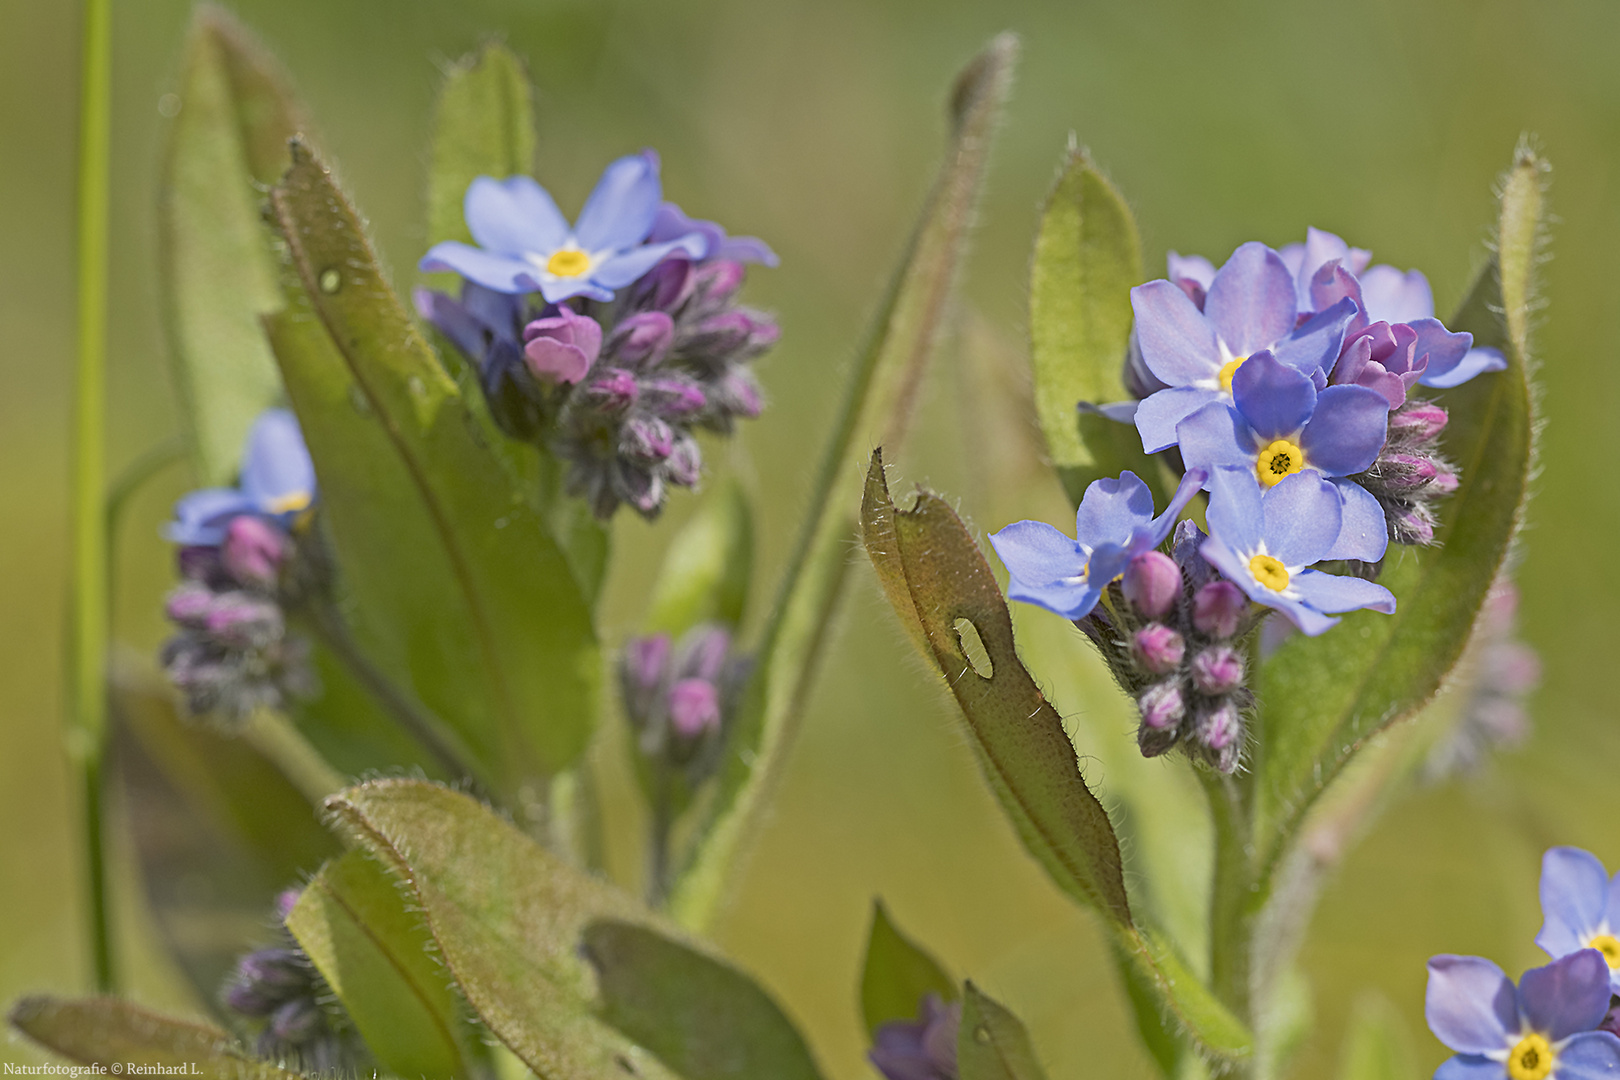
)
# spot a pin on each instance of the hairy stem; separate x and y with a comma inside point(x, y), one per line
point(1231, 913)
point(88, 616)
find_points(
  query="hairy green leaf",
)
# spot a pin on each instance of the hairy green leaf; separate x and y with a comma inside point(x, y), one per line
point(707, 566)
point(1323, 698)
point(508, 918)
point(946, 596)
point(992, 1043)
point(353, 922)
point(877, 407)
point(703, 1018)
point(1087, 258)
point(228, 141)
point(483, 126)
point(897, 974)
point(107, 1032)
point(525, 702)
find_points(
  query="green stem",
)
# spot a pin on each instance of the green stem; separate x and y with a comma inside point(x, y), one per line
point(1231, 911)
point(88, 629)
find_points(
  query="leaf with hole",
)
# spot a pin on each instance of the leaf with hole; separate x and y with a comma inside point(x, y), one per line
point(424, 513)
point(897, 974)
point(882, 390)
point(353, 922)
point(108, 1033)
point(228, 141)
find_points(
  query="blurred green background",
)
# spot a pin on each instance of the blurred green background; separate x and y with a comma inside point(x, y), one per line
point(815, 125)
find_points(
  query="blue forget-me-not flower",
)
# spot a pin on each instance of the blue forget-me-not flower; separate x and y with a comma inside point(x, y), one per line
point(1580, 906)
point(277, 481)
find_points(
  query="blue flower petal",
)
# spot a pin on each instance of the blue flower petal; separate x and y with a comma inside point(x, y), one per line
point(617, 271)
point(200, 517)
point(1474, 362)
point(1235, 512)
point(557, 290)
point(1251, 301)
point(1346, 431)
point(1470, 1005)
point(1569, 995)
point(1591, 1055)
point(1332, 283)
point(1574, 893)
point(452, 319)
point(1121, 412)
point(1274, 398)
point(1111, 508)
point(503, 273)
point(1301, 518)
point(1234, 568)
point(1045, 568)
point(1157, 416)
point(1393, 297)
point(1215, 437)
point(1334, 594)
point(1178, 343)
point(276, 467)
point(515, 216)
point(1363, 530)
point(1192, 267)
point(620, 211)
point(1470, 1067)
point(1192, 481)
point(1314, 345)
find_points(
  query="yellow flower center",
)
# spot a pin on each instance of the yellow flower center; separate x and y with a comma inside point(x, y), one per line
point(1228, 370)
point(1279, 460)
point(286, 504)
point(1269, 572)
point(569, 262)
point(1609, 946)
point(1532, 1059)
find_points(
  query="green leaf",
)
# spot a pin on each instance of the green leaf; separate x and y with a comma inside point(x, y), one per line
point(992, 1043)
point(897, 974)
point(879, 401)
point(228, 141)
point(508, 918)
point(1087, 258)
point(108, 1032)
point(947, 597)
point(706, 567)
point(1323, 698)
point(510, 659)
point(483, 126)
point(1376, 1043)
point(353, 922)
point(701, 1017)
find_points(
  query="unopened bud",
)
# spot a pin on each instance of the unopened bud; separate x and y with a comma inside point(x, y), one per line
point(298, 1020)
point(685, 462)
point(1158, 648)
point(1220, 728)
point(1152, 583)
point(1418, 421)
point(562, 348)
point(1218, 609)
point(694, 707)
point(717, 281)
point(666, 286)
point(672, 398)
point(1184, 550)
point(642, 339)
point(646, 439)
point(189, 605)
point(1217, 670)
point(1410, 524)
point(1161, 705)
point(1401, 474)
point(612, 392)
point(1444, 482)
point(254, 550)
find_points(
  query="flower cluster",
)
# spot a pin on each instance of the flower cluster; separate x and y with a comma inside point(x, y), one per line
point(280, 988)
point(920, 1049)
point(1284, 385)
point(240, 565)
point(635, 341)
point(679, 696)
point(1559, 1022)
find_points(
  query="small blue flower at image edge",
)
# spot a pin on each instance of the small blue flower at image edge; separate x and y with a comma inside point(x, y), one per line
point(1580, 907)
point(1542, 1029)
point(1114, 524)
point(526, 245)
point(1265, 545)
point(277, 481)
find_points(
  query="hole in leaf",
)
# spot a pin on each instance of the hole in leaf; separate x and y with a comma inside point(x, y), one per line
point(967, 635)
point(330, 280)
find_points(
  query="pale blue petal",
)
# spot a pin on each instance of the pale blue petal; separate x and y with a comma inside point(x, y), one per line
point(200, 517)
point(1574, 893)
point(1591, 1055)
point(560, 289)
point(1251, 301)
point(1444, 349)
point(617, 271)
point(1193, 267)
point(1045, 568)
point(1274, 398)
point(1314, 345)
point(502, 273)
point(1301, 518)
point(1111, 508)
point(1178, 343)
point(1156, 417)
point(620, 211)
point(1470, 1005)
point(1346, 431)
point(1334, 594)
point(515, 216)
point(1214, 436)
point(1363, 530)
point(1470, 1067)
point(1121, 412)
point(276, 464)
point(1568, 996)
point(1393, 297)
point(1235, 514)
point(1235, 569)
point(1476, 361)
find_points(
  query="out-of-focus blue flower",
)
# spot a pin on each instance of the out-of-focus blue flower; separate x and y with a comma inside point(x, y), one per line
point(920, 1049)
point(1326, 270)
point(672, 224)
point(1114, 524)
point(1196, 350)
point(1264, 546)
point(526, 245)
point(277, 481)
point(1580, 907)
point(1541, 1029)
point(1280, 424)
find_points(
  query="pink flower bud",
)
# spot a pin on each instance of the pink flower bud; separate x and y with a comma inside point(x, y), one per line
point(1421, 422)
point(1161, 705)
point(254, 550)
point(562, 348)
point(1218, 609)
point(1152, 583)
point(694, 707)
point(1217, 670)
point(1158, 648)
point(642, 340)
point(1220, 728)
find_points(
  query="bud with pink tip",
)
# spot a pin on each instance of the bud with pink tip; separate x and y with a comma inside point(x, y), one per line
point(1218, 609)
point(1152, 583)
point(1217, 670)
point(1158, 648)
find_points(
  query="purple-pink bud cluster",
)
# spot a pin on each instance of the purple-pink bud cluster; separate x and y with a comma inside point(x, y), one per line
point(677, 695)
